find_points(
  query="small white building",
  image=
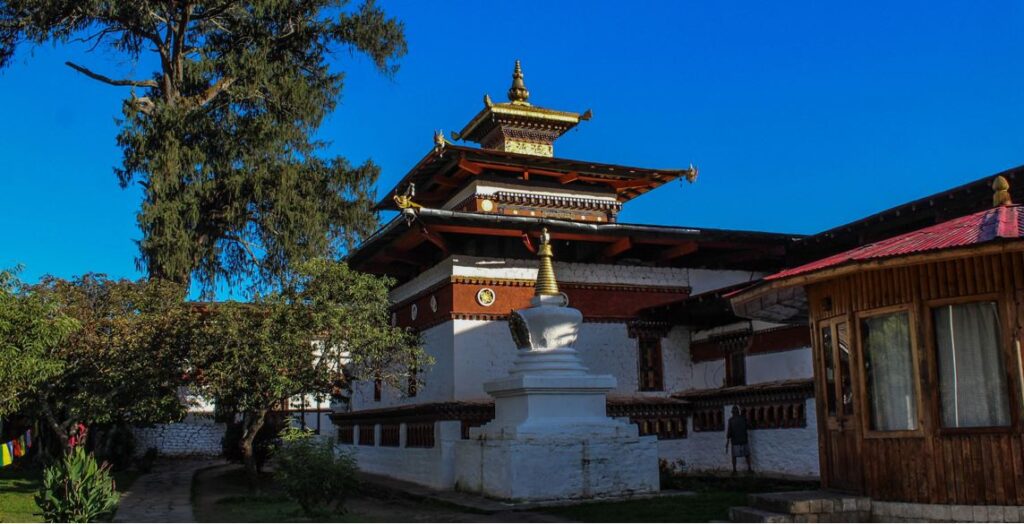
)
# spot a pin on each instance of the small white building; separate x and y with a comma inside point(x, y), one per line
point(653, 298)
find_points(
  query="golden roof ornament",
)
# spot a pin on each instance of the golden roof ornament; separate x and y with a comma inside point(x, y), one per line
point(404, 201)
point(1001, 192)
point(546, 283)
point(517, 94)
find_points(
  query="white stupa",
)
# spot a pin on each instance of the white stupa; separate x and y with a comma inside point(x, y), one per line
point(551, 438)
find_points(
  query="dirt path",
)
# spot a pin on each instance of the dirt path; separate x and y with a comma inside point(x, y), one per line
point(221, 484)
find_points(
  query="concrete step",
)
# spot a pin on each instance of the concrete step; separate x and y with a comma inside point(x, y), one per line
point(809, 502)
point(749, 514)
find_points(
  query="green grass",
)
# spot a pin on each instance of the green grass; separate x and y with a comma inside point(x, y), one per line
point(19, 485)
point(712, 499)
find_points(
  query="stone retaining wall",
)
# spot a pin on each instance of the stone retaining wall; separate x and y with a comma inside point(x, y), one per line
point(197, 435)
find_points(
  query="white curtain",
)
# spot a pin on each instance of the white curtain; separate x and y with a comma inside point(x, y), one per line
point(972, 379)
point(889, 372)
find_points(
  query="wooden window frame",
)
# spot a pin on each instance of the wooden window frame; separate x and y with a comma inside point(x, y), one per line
point(818, 344)
point(1006, 352)
point(915, 359)
point(729, 367)
point(659, 364)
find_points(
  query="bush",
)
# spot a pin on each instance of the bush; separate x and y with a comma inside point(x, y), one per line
point(312, 474)
point(77, 489)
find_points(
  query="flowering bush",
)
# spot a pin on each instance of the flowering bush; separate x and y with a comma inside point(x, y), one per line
point(77, 489)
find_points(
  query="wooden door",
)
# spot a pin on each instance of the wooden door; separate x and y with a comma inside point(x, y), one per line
point(842, 469)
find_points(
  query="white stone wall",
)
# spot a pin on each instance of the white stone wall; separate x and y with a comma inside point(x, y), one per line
point(780, 365)
point(773, 451)
point(468, 353)
point(196, 435)
point(438, 379)
point(433, 467)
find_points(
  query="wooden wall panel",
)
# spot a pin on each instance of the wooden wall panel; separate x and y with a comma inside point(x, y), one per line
point(935, 466)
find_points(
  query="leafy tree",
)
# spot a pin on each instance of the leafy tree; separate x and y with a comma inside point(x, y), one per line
point(29, 326)
point(124, 364)
point(326, 323)
point(220, 135)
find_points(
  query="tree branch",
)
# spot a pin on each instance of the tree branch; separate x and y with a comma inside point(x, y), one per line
point(211, 92)
point(108, 80)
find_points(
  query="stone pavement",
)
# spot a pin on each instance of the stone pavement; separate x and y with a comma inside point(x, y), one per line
point(165, 493)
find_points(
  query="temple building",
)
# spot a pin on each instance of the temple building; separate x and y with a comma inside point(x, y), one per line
point(655, 317)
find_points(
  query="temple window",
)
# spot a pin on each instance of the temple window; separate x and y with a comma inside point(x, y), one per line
point(736, 369)
point(888, 372)
point(972, 376)
point(413, 385)
point(650, 367)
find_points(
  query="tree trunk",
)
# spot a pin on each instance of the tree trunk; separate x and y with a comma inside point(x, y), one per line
point(252, 422)
point(58, 429)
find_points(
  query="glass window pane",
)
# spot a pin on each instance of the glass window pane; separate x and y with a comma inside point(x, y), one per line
point(972, 379)
point(889, 372)
point(845, 381)
point(830, 369)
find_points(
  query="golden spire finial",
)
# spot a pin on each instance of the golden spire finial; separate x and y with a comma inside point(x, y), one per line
point(546, 283)
point(1001, 192)
point(518, 94)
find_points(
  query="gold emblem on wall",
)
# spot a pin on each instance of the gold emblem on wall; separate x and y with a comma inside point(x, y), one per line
point(485, 297)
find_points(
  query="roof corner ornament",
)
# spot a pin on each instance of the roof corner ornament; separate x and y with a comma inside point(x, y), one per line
point(546, 283)
point(587, 115)
point(1001, 192)
point(517, 94)
point(691, 174)
point(405, 203)
point(487, 100)
point(440, 141)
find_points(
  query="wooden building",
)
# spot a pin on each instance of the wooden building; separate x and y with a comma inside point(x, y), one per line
point(917, 354)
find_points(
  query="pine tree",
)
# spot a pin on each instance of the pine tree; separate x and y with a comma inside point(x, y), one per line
point(221, 136)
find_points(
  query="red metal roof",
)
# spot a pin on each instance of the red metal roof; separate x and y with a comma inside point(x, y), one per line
point(1003, 222)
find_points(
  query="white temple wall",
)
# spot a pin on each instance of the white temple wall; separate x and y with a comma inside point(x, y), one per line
point(779, 365)
point(484, 351)
point(699, 280)
point(791, 452)
point(438, 379)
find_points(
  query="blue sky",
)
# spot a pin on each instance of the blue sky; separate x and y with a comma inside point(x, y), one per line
point(800, 115)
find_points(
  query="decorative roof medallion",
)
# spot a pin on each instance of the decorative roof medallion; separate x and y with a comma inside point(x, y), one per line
point(517, 126)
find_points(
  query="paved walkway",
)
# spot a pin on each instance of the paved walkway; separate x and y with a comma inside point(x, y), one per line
point(164, 494)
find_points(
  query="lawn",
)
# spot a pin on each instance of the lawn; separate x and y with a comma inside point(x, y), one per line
point(19, 485)
point(712, 499)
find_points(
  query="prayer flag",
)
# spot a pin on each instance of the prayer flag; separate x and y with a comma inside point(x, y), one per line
point(17, 452)
point(28, 438)
point(24, 447)
point(5, 454)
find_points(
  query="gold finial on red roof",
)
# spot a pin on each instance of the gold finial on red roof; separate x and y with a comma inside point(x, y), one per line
point(1001, 192)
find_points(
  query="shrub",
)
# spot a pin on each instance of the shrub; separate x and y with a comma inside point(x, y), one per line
point(312, 474)
point(77, 489)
